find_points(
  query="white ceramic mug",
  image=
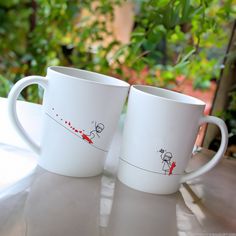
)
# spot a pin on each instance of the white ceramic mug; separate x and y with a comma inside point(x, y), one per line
point(81, 111)
point(159, 134)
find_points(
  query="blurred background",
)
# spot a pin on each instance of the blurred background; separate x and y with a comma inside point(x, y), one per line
point(184, 45)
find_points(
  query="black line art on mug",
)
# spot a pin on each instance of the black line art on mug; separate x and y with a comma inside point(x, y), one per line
point(167, 165)
point(98, 128)
point(81, 133)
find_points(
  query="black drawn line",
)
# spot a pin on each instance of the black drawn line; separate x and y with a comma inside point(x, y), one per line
point(156, 172)
point(74, 133)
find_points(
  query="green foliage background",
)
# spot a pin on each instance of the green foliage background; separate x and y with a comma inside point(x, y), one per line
point(169, 39)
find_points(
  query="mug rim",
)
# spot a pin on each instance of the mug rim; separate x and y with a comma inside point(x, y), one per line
point(111, 81)
point(171, 96)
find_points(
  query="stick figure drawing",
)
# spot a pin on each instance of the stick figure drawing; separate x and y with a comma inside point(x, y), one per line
point(167, 165)
point(81, 133)
point(98, 128)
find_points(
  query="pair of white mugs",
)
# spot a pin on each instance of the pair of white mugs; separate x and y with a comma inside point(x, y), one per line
point(81, 110)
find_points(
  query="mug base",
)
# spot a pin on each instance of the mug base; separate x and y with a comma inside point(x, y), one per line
point(147, 181)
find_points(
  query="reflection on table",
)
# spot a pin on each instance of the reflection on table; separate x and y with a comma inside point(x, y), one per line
point(37, 202)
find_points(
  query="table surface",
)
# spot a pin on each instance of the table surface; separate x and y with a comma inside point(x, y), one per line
point(39, 203)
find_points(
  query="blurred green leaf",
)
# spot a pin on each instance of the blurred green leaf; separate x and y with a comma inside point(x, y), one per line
point(168, 39)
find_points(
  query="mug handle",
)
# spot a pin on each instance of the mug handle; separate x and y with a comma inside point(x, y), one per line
point(216, 158)
point(12, 97)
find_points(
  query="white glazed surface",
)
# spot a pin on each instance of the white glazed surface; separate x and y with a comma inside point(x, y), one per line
point(160, 131)
point(80, 117)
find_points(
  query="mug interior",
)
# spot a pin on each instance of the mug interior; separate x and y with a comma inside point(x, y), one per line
point(168, 95)
point(89, 76)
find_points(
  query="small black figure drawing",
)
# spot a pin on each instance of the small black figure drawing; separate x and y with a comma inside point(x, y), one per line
point(98, 128)
point(167, 165)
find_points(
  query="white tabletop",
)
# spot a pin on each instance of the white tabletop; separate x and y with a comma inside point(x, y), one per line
point(38, 203)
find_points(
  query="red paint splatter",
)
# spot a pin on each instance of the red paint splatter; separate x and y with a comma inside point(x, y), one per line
point(84, 136)
point(173, 165)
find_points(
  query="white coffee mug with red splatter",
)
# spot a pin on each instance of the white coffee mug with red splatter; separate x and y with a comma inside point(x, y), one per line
point(159, 134)
point(81, 111)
